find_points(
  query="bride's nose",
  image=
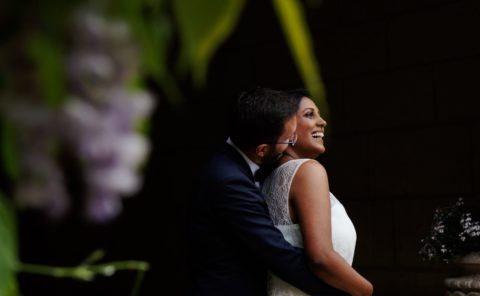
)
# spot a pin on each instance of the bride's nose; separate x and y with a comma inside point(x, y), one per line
point(321, 122)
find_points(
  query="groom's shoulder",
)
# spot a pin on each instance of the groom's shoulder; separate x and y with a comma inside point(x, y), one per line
point(223, 164)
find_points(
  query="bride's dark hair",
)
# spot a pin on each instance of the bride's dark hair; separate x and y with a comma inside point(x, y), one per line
point(297, 94)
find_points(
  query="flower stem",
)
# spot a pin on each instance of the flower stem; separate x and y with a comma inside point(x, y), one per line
point(83, 272)
point(138, 282)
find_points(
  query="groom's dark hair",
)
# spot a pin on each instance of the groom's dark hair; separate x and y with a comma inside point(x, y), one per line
point(258, 116)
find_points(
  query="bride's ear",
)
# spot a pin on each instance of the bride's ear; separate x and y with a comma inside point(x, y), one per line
point(262, 150)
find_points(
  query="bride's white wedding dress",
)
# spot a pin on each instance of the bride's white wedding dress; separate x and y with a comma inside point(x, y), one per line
point(276, 189)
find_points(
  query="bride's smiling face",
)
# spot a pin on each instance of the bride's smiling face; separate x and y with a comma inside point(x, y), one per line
point(310, 130)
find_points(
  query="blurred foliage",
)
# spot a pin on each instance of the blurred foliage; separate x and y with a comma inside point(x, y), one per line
point(9, 153)
point(298, 37)
point(8, 248)
point(152, 25)
point(177, 40)
point(48, 57)
point(203, 26)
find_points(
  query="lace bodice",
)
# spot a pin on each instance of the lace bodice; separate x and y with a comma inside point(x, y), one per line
point(277, 188)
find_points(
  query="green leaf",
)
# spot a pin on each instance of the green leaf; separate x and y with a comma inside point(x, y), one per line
point(154, 37)
point(3, 74)
point(8, 249)
point(292, 20)
point(143, 126)
point(152, 33)
point(152, 28)
point(95, 256)
point(203, 26)
point(9, 154)
point(48, 59)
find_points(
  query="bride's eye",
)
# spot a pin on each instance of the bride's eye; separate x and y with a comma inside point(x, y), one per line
point(309, 114)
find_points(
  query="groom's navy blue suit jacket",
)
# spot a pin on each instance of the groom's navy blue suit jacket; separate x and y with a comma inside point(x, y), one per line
point(233, 240)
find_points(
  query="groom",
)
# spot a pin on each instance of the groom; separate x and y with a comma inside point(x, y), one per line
point(233, 240)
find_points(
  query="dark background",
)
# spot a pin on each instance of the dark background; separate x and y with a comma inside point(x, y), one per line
point(402, 82)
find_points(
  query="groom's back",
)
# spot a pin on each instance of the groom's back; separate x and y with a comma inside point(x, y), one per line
point(221, 264)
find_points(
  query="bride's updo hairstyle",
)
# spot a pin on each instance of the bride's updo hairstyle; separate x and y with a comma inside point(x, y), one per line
point(297, 94)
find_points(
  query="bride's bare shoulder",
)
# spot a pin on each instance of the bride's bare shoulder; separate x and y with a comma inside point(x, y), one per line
point(311, 167)
point(310, 173)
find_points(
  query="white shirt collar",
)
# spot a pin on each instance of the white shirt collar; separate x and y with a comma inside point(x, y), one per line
point(253, 166)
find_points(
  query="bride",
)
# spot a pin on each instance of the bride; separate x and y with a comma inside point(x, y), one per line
point(305, 211)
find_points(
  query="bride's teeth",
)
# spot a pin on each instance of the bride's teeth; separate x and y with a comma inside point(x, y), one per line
point(318, 135)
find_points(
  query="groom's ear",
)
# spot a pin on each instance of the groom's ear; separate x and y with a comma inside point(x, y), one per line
point(262, 150)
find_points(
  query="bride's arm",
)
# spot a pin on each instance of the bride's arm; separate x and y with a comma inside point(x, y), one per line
point(310, 201)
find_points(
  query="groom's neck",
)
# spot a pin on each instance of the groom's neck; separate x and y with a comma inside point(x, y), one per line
point(251, 154)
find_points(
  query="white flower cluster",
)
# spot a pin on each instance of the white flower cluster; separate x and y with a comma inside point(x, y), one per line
point(103, 112)
point(470, 228)
point(454, 233)
point(437, 231)
point(439, 228)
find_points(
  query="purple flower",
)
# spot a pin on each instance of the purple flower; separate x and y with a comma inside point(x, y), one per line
point(102, 114)
point(96, 124)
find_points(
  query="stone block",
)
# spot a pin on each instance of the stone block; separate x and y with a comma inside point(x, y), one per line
point(359, 11)
point(324, 14)
point(429, 161)
point(401, 282)
point(275, 67)
point(390, 282)
point(363, 48)
point(398, 6)
point(328, 46)
point(353, 50)
point(431, 281)
point(429, 35)
point(347, 165)
point(391, 99)
point(456, 90)
point(373, 222)
point(476, 160)
point(334, 92)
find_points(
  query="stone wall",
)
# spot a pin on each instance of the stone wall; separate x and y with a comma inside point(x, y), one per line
point(404, 76)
